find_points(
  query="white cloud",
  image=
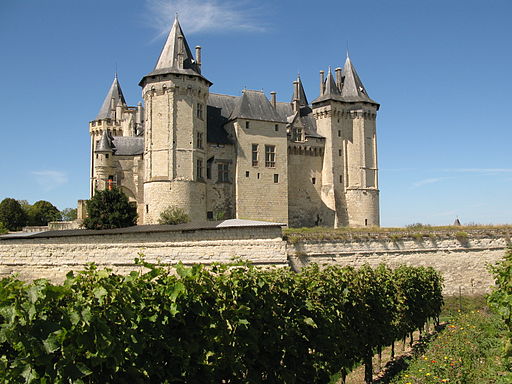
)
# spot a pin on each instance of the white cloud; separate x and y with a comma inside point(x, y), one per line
point(49, 179)
point(203, 15)
point(431, 180)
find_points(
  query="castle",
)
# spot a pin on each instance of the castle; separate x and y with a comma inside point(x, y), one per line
point(220, 156)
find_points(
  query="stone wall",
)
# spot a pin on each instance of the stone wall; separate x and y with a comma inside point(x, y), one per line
point(52, 254)
point(462, 257)
point(463, 262)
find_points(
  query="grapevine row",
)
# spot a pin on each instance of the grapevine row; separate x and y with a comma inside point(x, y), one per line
point(226, 323)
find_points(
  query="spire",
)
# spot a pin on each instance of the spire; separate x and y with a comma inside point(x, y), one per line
point(303, 101)
point(176, 53)
point(353, 88)
point(105, 144)
point(113, 98)
point(330, 85)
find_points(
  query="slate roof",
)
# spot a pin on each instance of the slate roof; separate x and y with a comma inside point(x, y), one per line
point(303, 100)
point(105, 143)
point(219, 109)
point(106, 110)
point(168, 61)
point(352, 88)
point(128, 145)
point(254, 105)
point(305, 115)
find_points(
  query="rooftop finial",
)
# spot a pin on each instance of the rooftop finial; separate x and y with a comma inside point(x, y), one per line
point(115, 73)
point(176, 16)
point(347, 50)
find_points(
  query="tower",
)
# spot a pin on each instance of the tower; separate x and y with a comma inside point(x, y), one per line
point(175, 98)
point(109, 120)
point(345, 116)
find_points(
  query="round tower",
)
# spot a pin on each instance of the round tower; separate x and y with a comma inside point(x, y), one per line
point(175, 96)
point(103, 168)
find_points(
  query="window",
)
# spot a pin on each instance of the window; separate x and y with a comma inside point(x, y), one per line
point(339, 152)
point(313, 180)
point(246, 125)
point(106, 156)
point(223, 172)
point(199, 140)
point(147, 208)
point(276, 178)
point(297, 134)
point(199, 169)
point(258, 175)
point(341, 179)
point(246, 173)
point(199, 111)
point(339, 133)
point(270, 156)
point(209, 168)
point(209, 215)
point(276, 127)
point(365, 222)
point(255, 155)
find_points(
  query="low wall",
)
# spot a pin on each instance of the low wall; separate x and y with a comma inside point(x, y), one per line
point(462, 258)
point(462, 262)
point(52, 254)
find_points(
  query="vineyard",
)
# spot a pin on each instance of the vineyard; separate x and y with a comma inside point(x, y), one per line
point(223, 324)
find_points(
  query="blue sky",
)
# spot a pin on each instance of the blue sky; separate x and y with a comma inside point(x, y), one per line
point(441, 70)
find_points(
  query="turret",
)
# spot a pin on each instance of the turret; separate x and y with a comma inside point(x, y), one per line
point(103, 168)
point(175, 97)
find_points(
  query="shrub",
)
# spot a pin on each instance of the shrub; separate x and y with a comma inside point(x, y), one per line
point(110, 209)
point(68, 214)
point(173, 215)
point(42, 212)
point(12, 214)
point(3, 228)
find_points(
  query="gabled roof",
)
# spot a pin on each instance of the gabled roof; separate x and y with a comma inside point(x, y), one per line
point(353, 88)
point(107, 109)
point(254, 105)
point(175, 51)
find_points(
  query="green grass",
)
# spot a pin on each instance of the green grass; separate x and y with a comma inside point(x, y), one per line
point(468, 351)
point(418, 233)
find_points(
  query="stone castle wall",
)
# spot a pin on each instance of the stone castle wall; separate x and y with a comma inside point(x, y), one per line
point(462, 261)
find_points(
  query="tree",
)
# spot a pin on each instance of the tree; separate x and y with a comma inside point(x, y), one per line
point(42, 212)
point(12, 214)
point(3, 228)
point(68, 214)
point(173, 215)
point(110, 209)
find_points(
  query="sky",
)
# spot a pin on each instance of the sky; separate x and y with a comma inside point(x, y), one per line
point(441, 70)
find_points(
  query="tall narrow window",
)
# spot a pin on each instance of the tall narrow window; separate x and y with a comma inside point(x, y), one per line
point(209, 168)
point(270, 156)
point(223, 172)
point(199, 169)
point(199, 111)
point(276, 127)
point(199, 140)
point(247, 125)
point(276, 178)
point(255, 155)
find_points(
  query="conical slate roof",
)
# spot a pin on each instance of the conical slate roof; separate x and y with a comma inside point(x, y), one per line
point(107, 109)
point(169, 57)
point(303, 100)
point(330, 85)
point(105, 143)
point(353, 88)
point(175, 51)
point(254, 105)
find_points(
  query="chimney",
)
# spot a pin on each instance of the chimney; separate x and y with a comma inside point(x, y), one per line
point(338, 78)
point(139, 113)
point(273, 98)
point(322, 80)
point(198, 57)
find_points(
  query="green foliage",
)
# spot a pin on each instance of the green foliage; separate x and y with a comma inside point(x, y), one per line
point(41, 213)
point(465, 352)
point(110, 209)
point(68, 214)
point(173, 215)
point(501, 298)
point(12, 215)
point(230, 323)
point(3, 228)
